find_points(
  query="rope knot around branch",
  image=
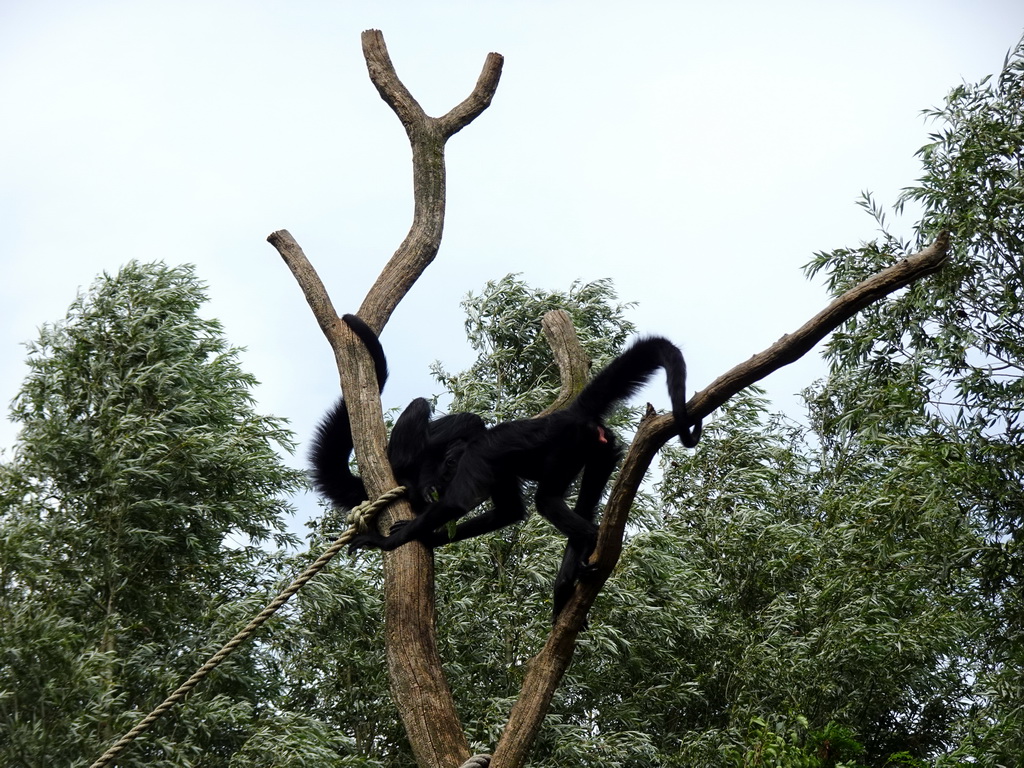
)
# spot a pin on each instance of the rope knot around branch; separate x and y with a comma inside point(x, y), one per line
point(361, 517)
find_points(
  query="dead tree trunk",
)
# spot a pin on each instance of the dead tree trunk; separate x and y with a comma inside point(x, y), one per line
point(418, 684)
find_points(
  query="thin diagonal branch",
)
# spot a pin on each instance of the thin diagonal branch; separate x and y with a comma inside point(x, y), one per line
point(463, 114)
point(385, 80)
point(545, 670)
point(309, 281)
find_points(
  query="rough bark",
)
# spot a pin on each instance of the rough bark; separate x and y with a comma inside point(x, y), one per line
point(573, 364)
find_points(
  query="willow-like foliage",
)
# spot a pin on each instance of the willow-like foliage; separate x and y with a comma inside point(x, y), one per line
point(139, 517)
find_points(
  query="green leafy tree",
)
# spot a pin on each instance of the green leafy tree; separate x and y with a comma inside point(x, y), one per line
point(138, 519)
point(332, 662)
point(933, 379)
point(837, 596)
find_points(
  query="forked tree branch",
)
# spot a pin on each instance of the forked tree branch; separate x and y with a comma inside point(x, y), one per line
point(427, 135)
point(545, 670)
point(418, 685)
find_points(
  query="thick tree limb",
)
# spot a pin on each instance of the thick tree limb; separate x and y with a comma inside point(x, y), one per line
point(545, 670)
point(418, 685)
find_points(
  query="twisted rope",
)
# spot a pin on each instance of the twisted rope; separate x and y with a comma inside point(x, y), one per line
point(359, 519)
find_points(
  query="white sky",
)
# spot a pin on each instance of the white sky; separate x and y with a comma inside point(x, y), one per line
point(697, 153)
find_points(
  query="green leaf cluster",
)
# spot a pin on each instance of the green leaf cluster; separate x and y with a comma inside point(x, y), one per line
point(931, 380)
point(134, 515)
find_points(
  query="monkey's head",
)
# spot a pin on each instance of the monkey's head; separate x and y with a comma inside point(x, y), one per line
point(439, 465)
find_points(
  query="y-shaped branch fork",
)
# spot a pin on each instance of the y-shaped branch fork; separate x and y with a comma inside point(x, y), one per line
point(427, 135)
point(418, 684)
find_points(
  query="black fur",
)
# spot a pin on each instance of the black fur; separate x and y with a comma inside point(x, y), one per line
point(423, 453)
point(552, 451)
point(332, 443)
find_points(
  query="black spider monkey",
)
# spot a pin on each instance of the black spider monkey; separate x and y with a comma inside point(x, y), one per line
point(552, 450)
point(422, 453)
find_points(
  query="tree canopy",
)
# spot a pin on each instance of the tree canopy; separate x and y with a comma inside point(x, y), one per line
point(134, 513)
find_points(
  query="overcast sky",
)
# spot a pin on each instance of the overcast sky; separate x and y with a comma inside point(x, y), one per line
point(696, 153)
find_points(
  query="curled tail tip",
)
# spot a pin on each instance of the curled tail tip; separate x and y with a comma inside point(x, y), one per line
point(372, 343)
point(690, 436)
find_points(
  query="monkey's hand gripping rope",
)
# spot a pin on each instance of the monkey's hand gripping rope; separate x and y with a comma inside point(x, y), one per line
point(359, 520)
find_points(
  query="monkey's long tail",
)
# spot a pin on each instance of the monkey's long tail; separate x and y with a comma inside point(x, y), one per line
point(627, 373)
point(332, 443)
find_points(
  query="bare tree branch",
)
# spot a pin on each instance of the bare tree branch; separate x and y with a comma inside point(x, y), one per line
point(427, 135)
point(308, 280)
point(545, 670)
point(573, 363)
point(463, 114)
point(385, 79)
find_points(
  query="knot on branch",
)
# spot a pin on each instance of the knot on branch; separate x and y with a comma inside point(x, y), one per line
point(362, 516)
